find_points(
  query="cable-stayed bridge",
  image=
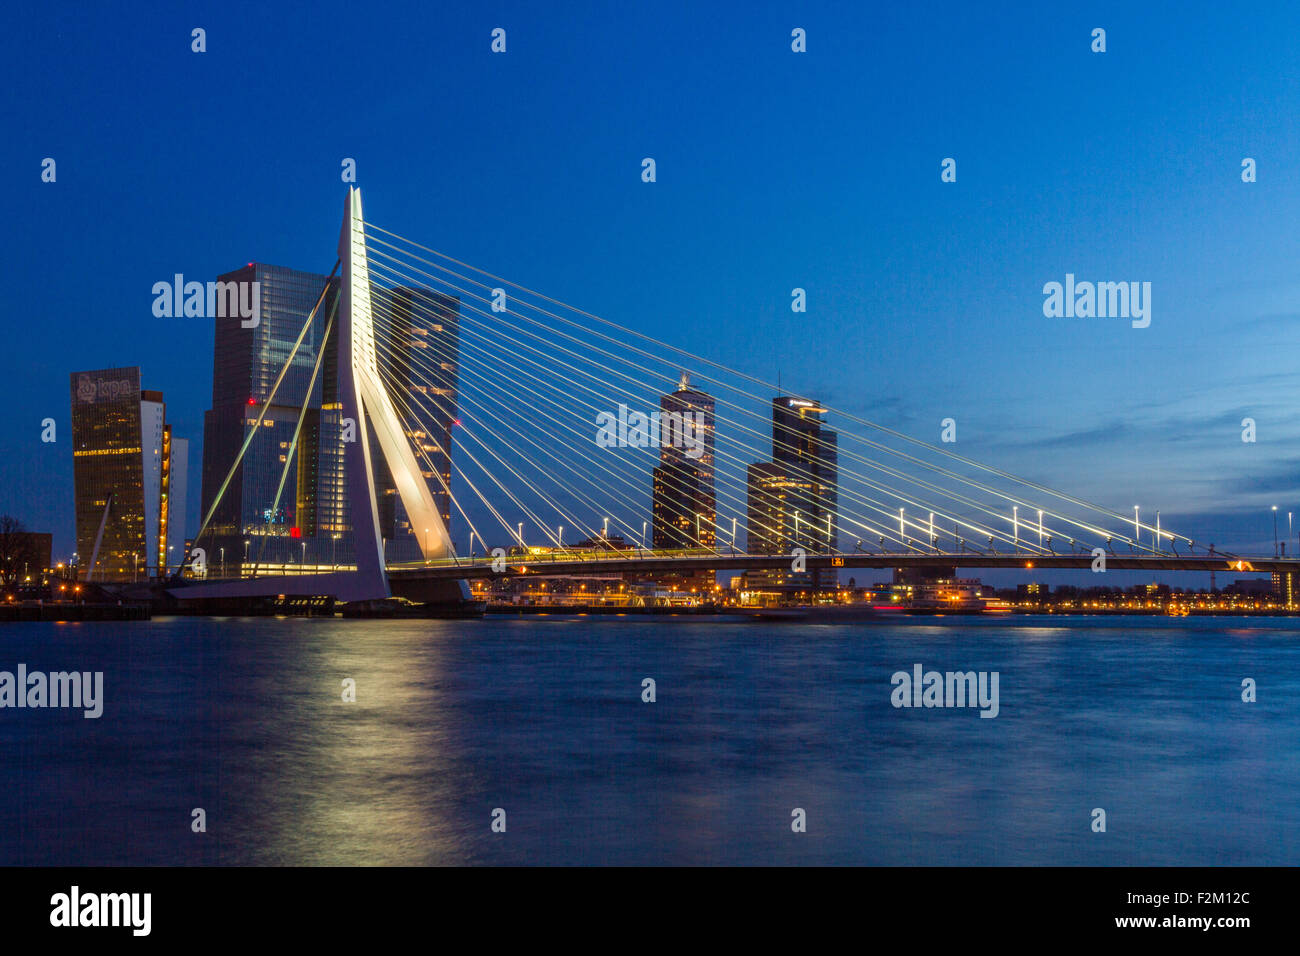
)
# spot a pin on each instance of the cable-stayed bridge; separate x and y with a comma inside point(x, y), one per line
point(550, 440)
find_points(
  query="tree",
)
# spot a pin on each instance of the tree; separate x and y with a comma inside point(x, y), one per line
point(17, 551)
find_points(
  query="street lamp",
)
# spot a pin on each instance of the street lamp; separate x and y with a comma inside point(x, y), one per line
point(304, 555)
point(1040, 529)
point(247, 542)
point(559, 538)
point(1015, 526)
point(521, 535)
point(223, 562)
point(733, 534)
point(1275, 531)
point(1137, 527)
point(644, 525)
point(604, 531)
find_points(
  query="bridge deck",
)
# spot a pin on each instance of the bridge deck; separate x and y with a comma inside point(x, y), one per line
point(649, 562)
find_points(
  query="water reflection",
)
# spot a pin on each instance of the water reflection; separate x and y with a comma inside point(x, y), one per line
point(544, 718)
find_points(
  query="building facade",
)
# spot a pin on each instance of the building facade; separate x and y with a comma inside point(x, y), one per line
point(121, 475)
point(792, 501)
point(285, 498)
point(683, 499)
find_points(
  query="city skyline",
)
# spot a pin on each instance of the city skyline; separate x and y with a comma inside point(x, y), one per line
point(920, 308)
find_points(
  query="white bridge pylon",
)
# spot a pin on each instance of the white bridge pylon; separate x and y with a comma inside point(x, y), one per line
point(364, 393)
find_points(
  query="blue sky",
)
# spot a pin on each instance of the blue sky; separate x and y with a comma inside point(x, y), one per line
point(775, 170)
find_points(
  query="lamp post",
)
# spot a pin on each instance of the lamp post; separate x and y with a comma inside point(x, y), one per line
point(1040, 529)
point(1137, 526)
point(223, 562)
point(604, 531)
point(698, 542)
point(304, 555)
point(521, 536)
point(559, 538)
point(1275, 531)
point(644, 525)
point(733, 535)
point(1015, 527)
point(247, 542)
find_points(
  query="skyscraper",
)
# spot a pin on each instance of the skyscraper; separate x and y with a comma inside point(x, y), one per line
point(683, 498)
point(793, 500)
point(684, 503)
point(121, 474)
point(284, 501)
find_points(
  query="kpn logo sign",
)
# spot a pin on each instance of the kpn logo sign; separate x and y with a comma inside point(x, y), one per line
point(210, 300)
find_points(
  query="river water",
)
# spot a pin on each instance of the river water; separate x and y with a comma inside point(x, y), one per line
point(543, 718)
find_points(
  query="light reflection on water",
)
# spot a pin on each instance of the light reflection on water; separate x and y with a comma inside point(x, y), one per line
point(543, 717)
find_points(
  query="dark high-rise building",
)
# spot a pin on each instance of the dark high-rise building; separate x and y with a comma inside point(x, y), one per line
point(284, 505)
point(121, 474)
point(793, 500)
point(684, 503)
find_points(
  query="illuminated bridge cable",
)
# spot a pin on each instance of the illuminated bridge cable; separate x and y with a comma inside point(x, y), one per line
point(1092, 529)
point(849, 416)
point(1027, 525)
point(918, 525)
